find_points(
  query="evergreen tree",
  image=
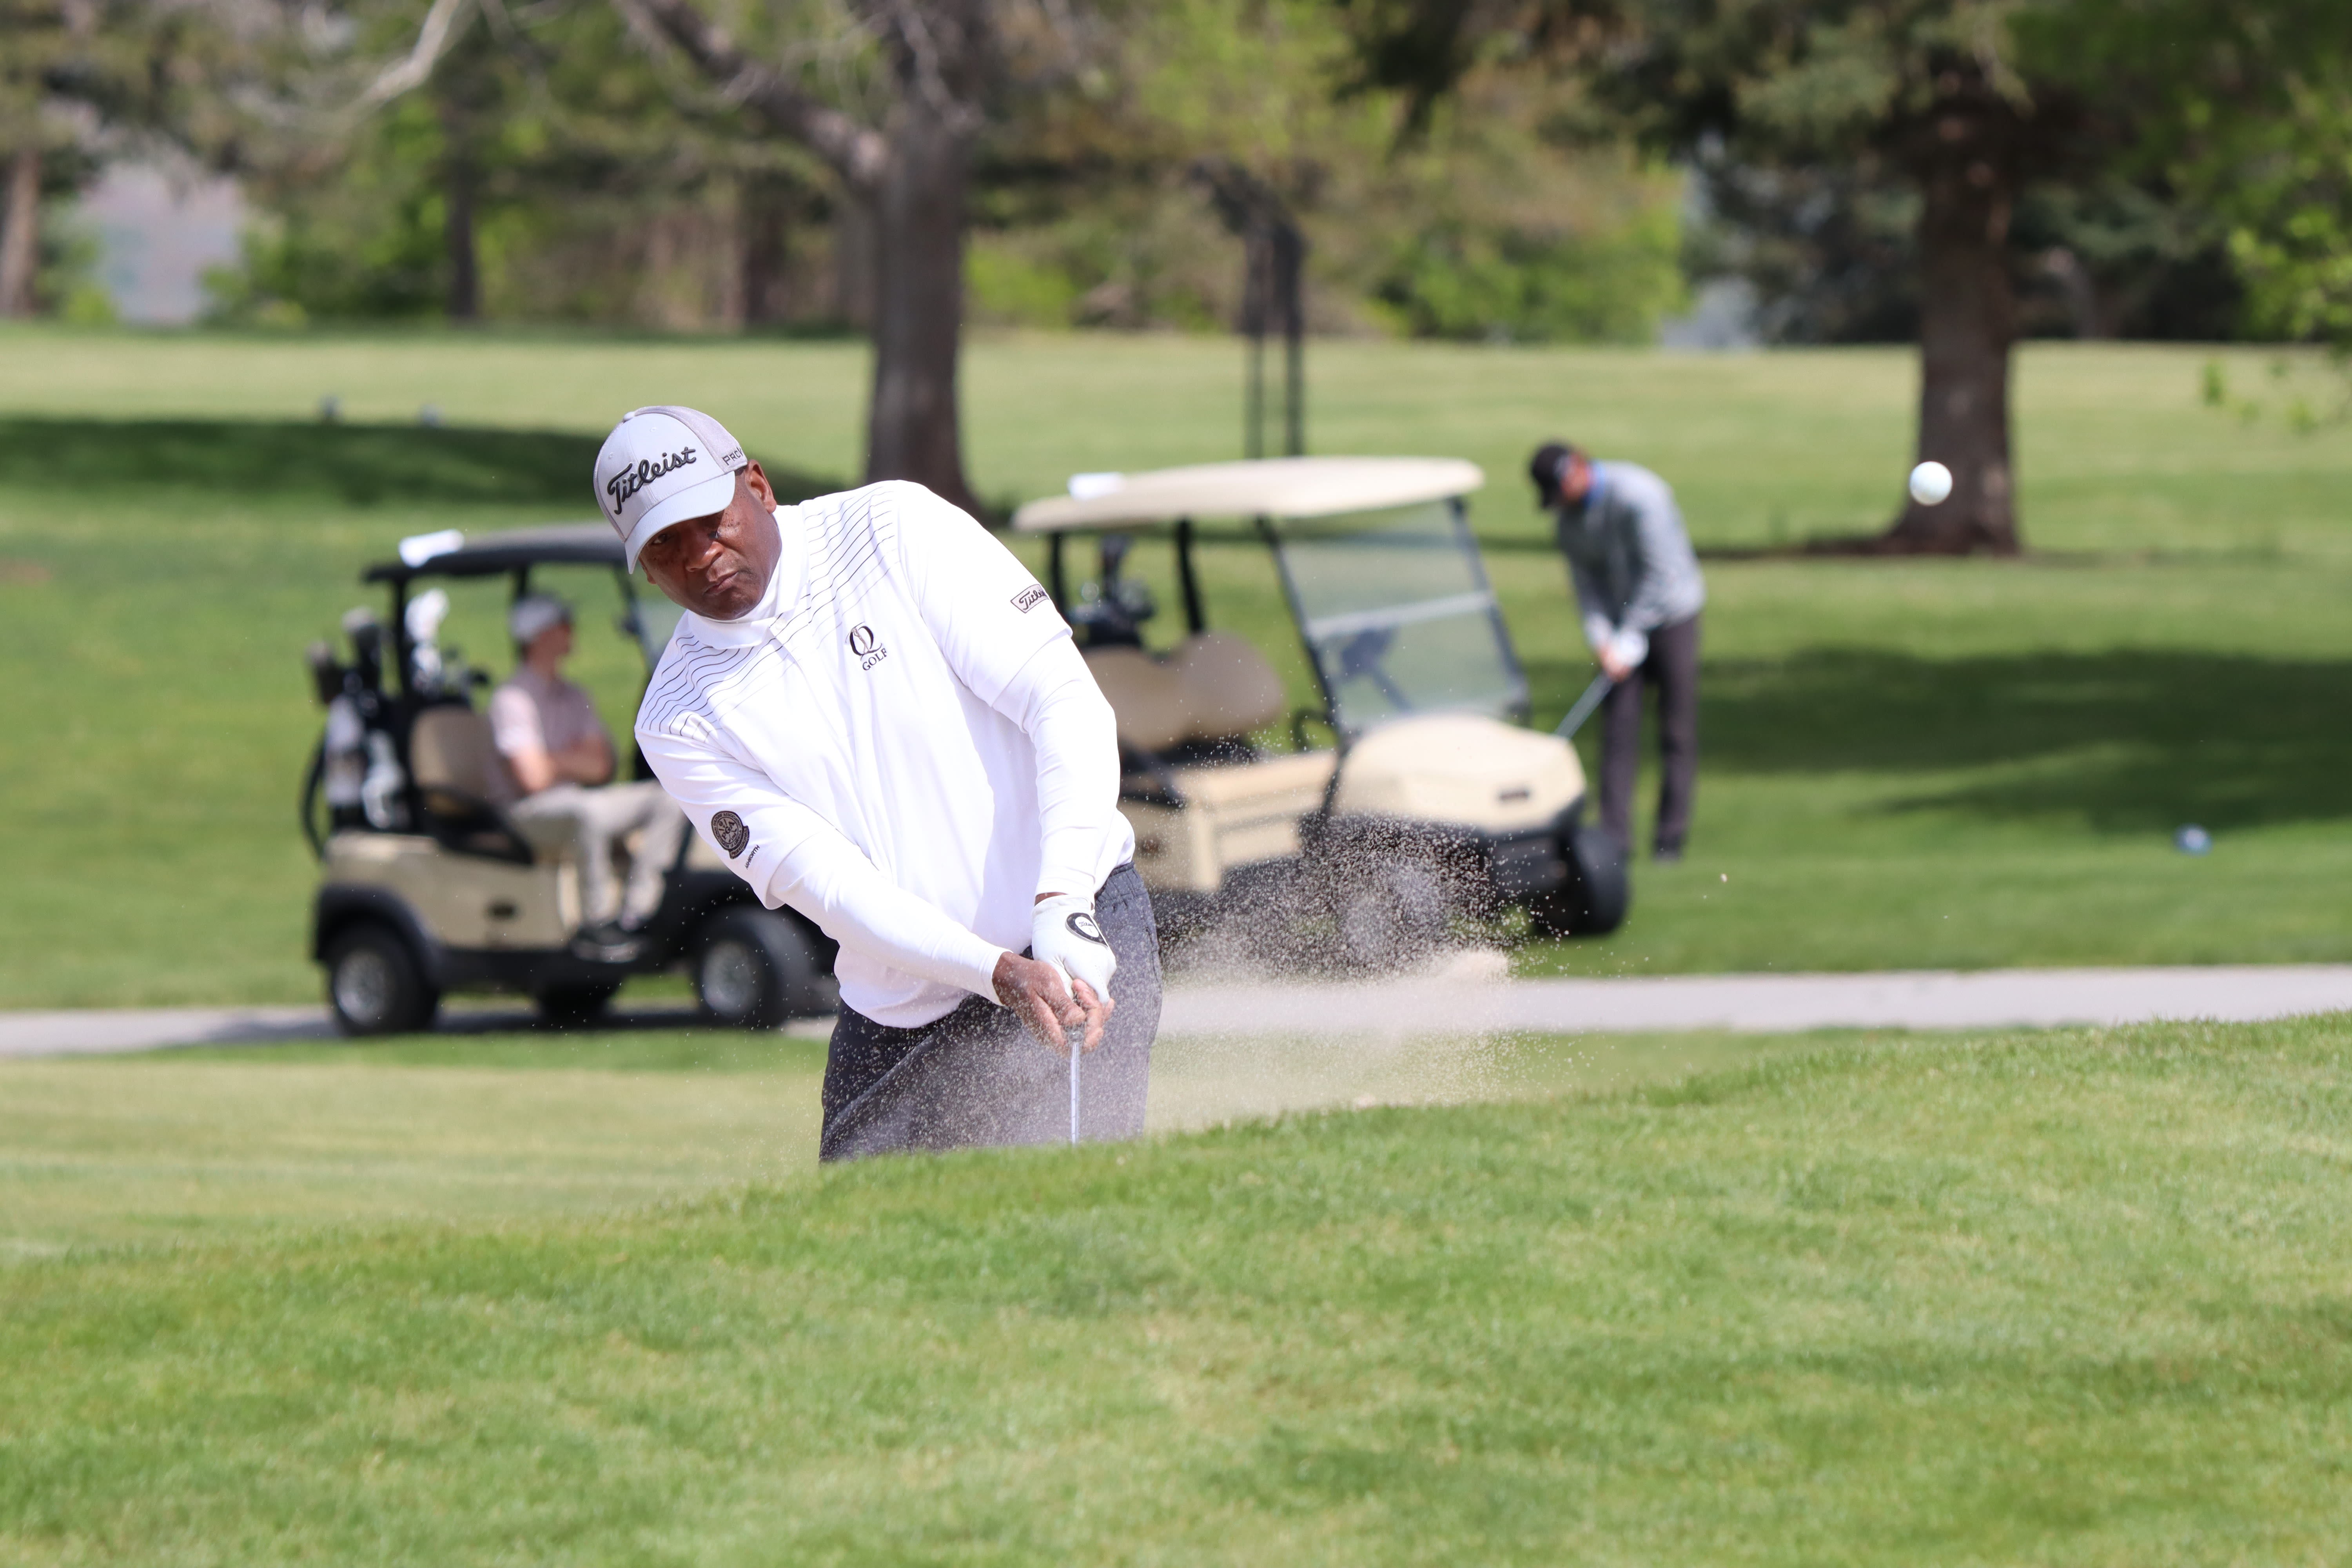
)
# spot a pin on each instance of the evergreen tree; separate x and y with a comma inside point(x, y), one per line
point(77, 78)
point(2246, 107)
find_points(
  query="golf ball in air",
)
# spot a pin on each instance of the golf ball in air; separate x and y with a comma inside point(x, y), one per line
point(2192, 840)
point(1930, 483)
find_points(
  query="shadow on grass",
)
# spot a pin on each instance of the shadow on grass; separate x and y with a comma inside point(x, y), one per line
point(2126, 742)
point(358, 464)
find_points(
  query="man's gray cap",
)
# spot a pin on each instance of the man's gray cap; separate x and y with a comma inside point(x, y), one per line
point(533, 614)
point(661, 464)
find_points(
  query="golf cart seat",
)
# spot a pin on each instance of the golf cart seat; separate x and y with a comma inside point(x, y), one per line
point(1204, 801)
point(1212, 687)
point(461, 783)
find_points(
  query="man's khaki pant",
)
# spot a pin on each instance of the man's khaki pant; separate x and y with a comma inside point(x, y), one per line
point(590, 822)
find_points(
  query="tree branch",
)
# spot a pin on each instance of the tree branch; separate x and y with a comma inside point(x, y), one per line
point(855, 152)
point(441, 23)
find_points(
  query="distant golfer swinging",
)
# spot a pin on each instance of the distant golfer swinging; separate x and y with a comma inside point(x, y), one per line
point(878, 716)
point(1639, 588)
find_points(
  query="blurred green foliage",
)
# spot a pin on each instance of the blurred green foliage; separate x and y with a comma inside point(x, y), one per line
point(1516, 285)
point(369, 247)
point(597, 196)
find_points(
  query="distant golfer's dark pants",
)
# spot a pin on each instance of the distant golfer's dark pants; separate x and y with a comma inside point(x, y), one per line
point(1672, 667)
point(978, 1077)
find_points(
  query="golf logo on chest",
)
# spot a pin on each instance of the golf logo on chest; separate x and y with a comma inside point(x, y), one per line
point(866, 647)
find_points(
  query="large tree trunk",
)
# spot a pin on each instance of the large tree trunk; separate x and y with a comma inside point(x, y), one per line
point(913, 428)
point(20, 233)
point(854, 261)
point(1968, 170)
point(914, 178)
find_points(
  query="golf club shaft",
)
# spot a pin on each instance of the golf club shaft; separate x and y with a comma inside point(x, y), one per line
point(1584, 706)
point(1076, 1042)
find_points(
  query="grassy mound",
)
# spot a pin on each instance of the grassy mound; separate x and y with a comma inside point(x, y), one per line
point(2066, 1298)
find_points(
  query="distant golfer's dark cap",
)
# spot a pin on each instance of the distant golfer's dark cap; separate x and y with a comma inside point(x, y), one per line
point(662, 465)
point(1550, 466)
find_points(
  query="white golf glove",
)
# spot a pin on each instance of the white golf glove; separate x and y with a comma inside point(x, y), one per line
point(1063, 932)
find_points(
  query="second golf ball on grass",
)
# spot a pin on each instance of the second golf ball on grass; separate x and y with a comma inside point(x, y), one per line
point(1930, 483)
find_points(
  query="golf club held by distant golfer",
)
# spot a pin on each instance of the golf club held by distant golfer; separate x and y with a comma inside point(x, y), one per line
point(1584, 706)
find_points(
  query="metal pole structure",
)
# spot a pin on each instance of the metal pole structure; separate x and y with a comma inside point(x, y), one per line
point(1254, 313)
point(1290, 255)
point(1272, 265)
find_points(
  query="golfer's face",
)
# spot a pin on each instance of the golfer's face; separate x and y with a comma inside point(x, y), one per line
point(718, 566)
point(1576, 480)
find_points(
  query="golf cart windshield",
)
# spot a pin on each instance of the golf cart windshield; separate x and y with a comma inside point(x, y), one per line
point(1398, 617)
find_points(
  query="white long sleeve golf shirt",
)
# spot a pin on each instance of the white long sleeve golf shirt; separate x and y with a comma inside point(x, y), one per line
point(899, 740)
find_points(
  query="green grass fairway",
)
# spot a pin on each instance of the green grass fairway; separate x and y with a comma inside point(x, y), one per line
point(2075, 1297)
point(1906, 764)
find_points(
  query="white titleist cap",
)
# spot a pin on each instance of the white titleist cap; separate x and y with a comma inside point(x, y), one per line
point(662, 465)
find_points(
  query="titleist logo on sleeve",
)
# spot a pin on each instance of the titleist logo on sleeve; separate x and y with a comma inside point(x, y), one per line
point(629, 481)
point(1029, 598)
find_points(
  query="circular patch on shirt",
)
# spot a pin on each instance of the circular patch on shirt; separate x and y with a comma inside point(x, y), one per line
point(1083, 925)
point(729, 829)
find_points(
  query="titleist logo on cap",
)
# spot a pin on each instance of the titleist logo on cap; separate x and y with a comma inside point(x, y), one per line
point(629, 481)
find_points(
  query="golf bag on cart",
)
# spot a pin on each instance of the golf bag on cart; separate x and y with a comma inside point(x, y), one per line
point(359, 763)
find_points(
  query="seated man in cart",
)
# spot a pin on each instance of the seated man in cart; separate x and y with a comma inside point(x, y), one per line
point(561, 761)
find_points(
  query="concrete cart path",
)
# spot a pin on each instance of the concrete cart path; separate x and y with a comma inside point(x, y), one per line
point(1766, 1004)
point(1459, 1004)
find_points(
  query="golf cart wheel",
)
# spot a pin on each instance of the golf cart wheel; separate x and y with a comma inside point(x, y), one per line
point(576, 1007)
point(1390, 913)
point(374, 985)
point(755, 969)
point(1593, 901)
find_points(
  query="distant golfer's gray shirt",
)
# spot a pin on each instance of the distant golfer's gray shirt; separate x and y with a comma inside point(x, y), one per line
point(1631, 561)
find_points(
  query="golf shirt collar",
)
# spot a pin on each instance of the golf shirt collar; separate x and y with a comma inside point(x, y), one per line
point(1594, 492)
point(767, 618)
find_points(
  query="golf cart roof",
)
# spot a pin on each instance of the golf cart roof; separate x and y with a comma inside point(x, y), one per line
point(1266, 486)
point(450, 553)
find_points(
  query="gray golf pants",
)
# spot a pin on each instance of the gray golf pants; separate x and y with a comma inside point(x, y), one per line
point(978, 1077)
point(590, 822)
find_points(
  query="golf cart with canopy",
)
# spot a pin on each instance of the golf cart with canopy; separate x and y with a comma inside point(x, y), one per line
point(1433, 800)
point(427, 885)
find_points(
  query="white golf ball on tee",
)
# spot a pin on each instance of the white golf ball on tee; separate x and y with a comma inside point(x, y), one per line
point(1930, 483)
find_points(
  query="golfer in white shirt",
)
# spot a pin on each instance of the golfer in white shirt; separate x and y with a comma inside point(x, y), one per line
point(878, 718)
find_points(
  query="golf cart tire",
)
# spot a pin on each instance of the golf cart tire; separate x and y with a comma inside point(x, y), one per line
point(374, 985)
point(576, 1007)
point(1598, 893)
point(753, 969)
